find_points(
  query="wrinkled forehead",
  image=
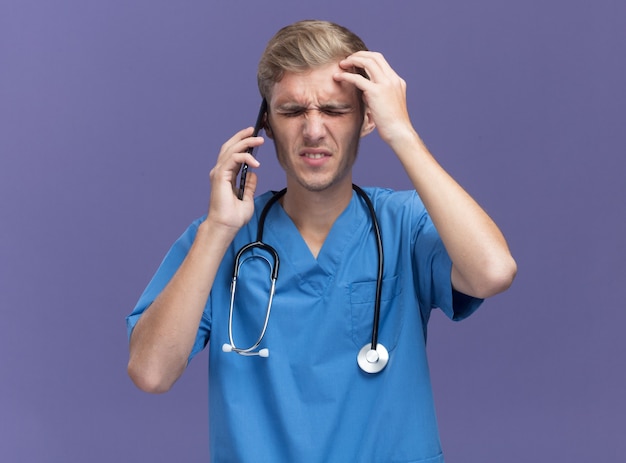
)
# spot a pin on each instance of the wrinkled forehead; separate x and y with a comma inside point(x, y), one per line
point(313, 86)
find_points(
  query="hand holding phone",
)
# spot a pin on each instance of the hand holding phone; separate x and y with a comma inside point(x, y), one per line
point(257, 128)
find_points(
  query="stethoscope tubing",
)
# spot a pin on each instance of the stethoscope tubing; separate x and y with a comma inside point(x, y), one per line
point(372, 359)
point(381, 265)
point(273, 278)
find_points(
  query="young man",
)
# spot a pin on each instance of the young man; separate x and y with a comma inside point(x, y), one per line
point(309, 400)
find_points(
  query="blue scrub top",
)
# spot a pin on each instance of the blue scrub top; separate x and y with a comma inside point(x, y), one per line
point(309, 401)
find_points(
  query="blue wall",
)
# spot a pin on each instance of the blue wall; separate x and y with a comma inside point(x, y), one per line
point(112, 114)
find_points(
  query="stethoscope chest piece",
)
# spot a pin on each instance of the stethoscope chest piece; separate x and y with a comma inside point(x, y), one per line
point(373, 357)
point(372, 361)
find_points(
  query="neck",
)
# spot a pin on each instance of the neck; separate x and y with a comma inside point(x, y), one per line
point(314, 213)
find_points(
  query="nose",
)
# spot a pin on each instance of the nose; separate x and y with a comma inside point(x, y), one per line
point(314, 127)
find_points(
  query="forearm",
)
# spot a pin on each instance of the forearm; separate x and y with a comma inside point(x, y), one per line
point(482, 263)
point(164, 335)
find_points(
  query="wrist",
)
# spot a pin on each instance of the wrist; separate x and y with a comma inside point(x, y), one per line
point(215, 233)
point(406, 140)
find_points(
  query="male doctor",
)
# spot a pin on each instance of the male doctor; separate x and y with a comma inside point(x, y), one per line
point(308, 400)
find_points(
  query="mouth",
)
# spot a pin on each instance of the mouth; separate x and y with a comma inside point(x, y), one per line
point(314, 154)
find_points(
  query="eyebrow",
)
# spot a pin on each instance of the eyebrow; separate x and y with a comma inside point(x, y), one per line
point(334, 106)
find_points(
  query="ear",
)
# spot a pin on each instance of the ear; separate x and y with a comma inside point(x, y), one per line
point(368, 125)
point(267, 127)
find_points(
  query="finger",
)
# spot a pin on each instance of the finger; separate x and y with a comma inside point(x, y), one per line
point(357, 80)
point(374, 63)
point(241, 141)
point(373, 58)
point(246, 146)
point(227, 168)
point(230, 167)
point(239, 152)
point(245, 158)
point(251, 183)
point(236, 138)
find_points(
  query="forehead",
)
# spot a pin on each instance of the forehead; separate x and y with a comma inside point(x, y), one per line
point(313, 86)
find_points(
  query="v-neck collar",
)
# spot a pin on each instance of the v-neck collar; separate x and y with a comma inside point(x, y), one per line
point(283, 234)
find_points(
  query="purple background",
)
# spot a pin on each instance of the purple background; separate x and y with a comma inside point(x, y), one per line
point(111, 116)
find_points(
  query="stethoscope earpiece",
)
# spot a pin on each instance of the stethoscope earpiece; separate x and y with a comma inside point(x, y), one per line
point(373, 357)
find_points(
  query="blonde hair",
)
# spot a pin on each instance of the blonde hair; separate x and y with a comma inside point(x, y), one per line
point(302, 46)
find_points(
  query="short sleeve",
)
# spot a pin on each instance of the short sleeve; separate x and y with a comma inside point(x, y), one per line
point(433, 270)
point(172, 261)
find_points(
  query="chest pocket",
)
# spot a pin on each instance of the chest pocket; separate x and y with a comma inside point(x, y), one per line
point(362, 301)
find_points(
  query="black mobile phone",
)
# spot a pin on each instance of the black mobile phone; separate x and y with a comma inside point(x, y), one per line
point(257, 128)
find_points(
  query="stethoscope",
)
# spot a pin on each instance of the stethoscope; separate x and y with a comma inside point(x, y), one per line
point(372, 357)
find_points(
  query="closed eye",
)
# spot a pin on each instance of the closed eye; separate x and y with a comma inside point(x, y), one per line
point(336, 109)
point(292, 113)
point(334, 112)
point(291, 110)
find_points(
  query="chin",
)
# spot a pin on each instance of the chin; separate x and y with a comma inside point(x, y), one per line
point(319, 185)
